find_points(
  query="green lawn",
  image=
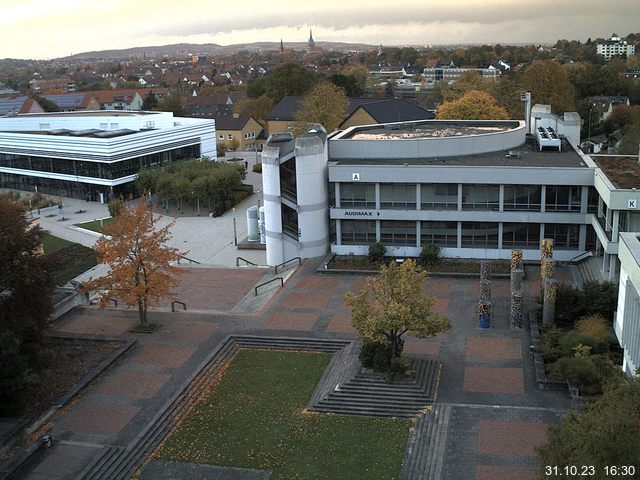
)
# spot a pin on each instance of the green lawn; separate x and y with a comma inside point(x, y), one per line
point(95, 225)
point(73, 258)
point(255, 418)
point(52, 244)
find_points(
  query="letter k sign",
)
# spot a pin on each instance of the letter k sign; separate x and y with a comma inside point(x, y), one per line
point(632, 204)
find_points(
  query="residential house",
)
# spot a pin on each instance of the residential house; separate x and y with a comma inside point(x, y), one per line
point(15, 105)
point(244, 129)
point(386, 111)
point(72, 102)
point(601, 107)
point(615, 47)
point(131, 99)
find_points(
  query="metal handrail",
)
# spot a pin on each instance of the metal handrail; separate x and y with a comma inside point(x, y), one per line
point(173, 305)
point(585, 254)
point(190, 260)
point(244, 260)
point(287, 261)
point(267, 283)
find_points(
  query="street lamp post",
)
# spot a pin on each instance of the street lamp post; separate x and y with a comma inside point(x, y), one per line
point(235, 231)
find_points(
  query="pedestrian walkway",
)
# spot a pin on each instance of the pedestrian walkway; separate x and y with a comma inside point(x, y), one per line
point(491, 413)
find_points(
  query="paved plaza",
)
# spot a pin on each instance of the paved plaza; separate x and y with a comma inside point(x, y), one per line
point(497, 414)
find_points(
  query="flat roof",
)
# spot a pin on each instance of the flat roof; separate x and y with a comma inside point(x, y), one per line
point(526, 155)
point(429, 129)
point(91, 113)
point(90, 133)
point(623, 171)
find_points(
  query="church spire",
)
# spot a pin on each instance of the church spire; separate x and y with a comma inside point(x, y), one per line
point(281, 46)
point(311, 43)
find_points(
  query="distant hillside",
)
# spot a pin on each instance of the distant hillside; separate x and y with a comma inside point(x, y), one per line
point(183, 49)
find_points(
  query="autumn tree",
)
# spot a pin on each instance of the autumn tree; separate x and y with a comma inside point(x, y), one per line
point(394, 305)
point(549, 84)
point(172, 103)
point(325, 104)
point(606, 433)
point(473, 105)
point(257, 108)
point(288, 79)
point(141, 269)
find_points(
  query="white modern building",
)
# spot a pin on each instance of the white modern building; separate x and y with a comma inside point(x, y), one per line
point(95, 154)
point(451, 73)
point(615, 47)
point(627, 319)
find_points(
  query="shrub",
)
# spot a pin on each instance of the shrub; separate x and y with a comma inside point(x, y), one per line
point(579, 370)
point(569, 341)
point(596, 327)
point(550, 344)
point(600, 298)
point(399, 369)
point(429, 255)
point(377, 252)
point(257, 168)
point(377, 355)
point(115, 206)
point(569, 305)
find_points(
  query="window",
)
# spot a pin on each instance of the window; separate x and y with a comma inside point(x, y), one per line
point(357, 232)
point(399, 196)
point(480, 235)
point(220, 137)
point(229, 136)
point(521, 235)
point(436, 196)
point(522, 197)
point(563, 199)
point(480, 197)
point(394, 232)
point(443, 234)
point(357, 195)
point(592, 200)
point(564, 236)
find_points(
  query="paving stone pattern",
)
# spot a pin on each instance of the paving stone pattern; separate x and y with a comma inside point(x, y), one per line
point(486, 383)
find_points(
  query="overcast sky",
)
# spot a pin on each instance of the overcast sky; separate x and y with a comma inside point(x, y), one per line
point(49, 29)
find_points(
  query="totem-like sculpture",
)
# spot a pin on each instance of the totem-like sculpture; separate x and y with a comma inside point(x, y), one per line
point(484, 305)
point(550, 289)
point(517, 276)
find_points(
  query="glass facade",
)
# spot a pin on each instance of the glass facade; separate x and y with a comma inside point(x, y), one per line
point(289, 221)
point(103, 170)
point(563, 199)
point(398, 232)
point(443, 234)
point(439, 196)
point(481, 197)
point(522, 197)
point(357, 195)
point(565, 237)
point(521, 235)
point(479, 235)
point(357, 232)
point(288, 183)
point(400, 196)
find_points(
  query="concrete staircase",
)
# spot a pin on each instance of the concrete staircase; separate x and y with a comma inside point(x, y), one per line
point(588, 270)
point(368, 393)
point(425, 452)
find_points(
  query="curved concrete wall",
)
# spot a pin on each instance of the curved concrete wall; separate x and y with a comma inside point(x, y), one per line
point(272, 206)
point(311, 179)
point(430, 147)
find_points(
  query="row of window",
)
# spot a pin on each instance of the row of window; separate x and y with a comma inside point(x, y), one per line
point(82, 168)
point(247, 136)
point(473, 234)
point(444, 196)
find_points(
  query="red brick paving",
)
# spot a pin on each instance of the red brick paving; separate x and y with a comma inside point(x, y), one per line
point(92, 323)
point(292, 321)
point(164, 356)
point(494, 348)
point(307, 300)
point(187, 330)
point(426, 347)
point(493, 380)
point(499, 288)
point(134, 384)
point(510, 438)
point(340, 322)
point(441, 306)
point(213, 288)
point(438, 287)
point(319, 283)
point(100, 418)
point(492, 472)
point(357, 284)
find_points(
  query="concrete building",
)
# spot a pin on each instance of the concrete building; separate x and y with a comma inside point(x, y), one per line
point(95, 154)
point(615, 47)
point(451, 73)
point(627, 318)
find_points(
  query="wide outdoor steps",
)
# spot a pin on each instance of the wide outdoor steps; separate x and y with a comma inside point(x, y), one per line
point(424, 456)
point(368, 393)
point(589, 270)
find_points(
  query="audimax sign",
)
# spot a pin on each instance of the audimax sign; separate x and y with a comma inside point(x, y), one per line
point(361, 213)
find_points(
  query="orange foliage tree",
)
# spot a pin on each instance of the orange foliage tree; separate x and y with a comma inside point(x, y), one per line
point(141, 269)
